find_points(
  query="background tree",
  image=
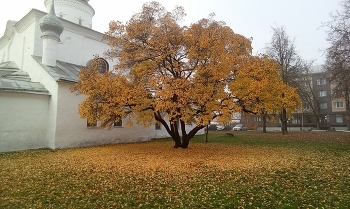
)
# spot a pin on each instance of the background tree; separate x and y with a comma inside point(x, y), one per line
point(266, 93)
point(282, 49)
point(338, 55)
point(168, 74)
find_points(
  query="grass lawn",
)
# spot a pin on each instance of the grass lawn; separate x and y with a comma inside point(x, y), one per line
point(249, 170)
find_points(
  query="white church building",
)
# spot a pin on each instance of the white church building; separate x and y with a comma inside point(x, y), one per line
point(40, 58)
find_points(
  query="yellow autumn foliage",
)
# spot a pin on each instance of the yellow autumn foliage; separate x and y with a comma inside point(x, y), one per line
point(179, 76)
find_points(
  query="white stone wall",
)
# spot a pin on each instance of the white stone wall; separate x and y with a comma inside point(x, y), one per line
point(77, 49)
point(72, 131)
point(23, 120)
point(38, 74)
point(19, 46)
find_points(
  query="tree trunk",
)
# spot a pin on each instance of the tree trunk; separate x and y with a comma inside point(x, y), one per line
point(264, 123)
point(173, 130)
point(318, 126)
point(185, 142)
point(177, 141)
point(284, 123)
point(347, 109)
point(206, 133)
point(176, 135)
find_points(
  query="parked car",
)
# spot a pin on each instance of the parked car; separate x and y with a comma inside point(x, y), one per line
point(220, 127)
point(240, 127)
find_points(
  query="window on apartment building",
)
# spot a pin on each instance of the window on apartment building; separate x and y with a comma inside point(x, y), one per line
point(308, 119)
point(322, 93)
point(91, 124)
point(257, 119)
point(323, 105)
point(321, 81)
point(338, 104)
point(157, 126)
point(118, 122)
point(306, 106)
point(296, 120)
point(339, 118)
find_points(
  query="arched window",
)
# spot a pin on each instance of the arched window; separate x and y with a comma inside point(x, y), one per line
point(99, 64)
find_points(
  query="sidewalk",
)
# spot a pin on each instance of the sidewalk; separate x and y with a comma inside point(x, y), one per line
point(295, 129)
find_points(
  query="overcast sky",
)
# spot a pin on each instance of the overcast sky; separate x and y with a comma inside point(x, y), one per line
point(251, 18)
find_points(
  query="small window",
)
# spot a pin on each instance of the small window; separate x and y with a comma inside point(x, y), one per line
point(321, 81)
point(80, 21)
point(257, 119)
point(118, 122)
point(322, 93)
point(323, 106)
point(306, 107)
point(99, 64)
point(157, 126)
point(338, 104)
point(339, 119)
point(296, 120)
point(91, 124)
point(308, 119)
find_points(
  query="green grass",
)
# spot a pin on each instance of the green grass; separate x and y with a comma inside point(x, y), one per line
point(249, 170)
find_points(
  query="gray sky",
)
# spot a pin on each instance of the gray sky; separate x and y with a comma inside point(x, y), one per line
point(251, 18)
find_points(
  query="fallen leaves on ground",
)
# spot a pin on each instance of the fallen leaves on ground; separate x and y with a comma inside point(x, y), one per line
point(248, 172)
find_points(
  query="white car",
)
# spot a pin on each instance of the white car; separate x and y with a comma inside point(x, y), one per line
point(220, 127)
point(240, 127)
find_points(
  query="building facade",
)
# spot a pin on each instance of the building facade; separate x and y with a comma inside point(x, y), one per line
point(322, 110)
point(40, 58)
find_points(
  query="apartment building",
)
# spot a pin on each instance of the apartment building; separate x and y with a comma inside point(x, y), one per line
point(322, 112)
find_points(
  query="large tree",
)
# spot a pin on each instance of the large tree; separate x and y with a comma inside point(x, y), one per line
point(170, 74)
point(282, 49)
point(338, 55)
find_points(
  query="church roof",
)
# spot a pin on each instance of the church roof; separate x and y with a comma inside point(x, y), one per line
point(63, 71)
point(12, 79)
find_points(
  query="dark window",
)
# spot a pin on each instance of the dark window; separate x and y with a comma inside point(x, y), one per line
point(307, 107)
point(157, 126)
point(296, 120)
point(339, 119)
point(323, 106)
point(99, 64)
point(322, 93)
point(308, 119)
point(338, 104)
point(80, 21)
point(321, 81)
point(257, 119)
point(118, 122)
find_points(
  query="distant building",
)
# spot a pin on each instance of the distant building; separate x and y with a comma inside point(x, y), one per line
point(332, 112)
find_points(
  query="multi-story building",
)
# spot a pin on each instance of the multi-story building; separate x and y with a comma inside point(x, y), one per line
point(322, 110)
